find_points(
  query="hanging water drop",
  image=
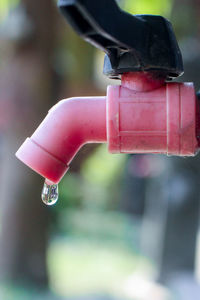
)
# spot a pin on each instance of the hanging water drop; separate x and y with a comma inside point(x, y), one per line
point(49, 193)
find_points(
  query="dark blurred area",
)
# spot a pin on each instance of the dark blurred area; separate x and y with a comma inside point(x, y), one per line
point(125, 226)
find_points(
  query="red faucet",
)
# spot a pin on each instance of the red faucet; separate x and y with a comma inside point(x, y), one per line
point(145, 114)
point(160, 119)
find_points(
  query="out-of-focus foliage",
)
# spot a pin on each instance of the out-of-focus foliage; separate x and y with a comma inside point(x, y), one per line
point(103, 167)
point(94, 190)
point(5, 6)
point(79, 267)
point(156, 7)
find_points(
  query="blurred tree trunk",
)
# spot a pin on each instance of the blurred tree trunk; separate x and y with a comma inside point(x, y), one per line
point(27, 90)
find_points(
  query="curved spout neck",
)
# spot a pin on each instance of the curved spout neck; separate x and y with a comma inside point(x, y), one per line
point(68, 126)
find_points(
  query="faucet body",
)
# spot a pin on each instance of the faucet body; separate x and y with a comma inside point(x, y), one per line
point(158, 119)
point(143, 115)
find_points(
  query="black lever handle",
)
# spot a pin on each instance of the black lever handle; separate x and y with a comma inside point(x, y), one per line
point(131, 43)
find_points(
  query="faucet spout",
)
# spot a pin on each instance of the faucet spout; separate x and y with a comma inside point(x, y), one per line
point(68, 126)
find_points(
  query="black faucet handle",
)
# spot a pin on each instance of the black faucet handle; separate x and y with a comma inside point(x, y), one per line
point(131, 43)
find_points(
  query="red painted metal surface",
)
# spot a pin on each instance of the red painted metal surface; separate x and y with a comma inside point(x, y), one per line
point(162, 120)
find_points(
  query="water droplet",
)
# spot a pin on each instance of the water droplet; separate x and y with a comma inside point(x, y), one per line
point(49, 193)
